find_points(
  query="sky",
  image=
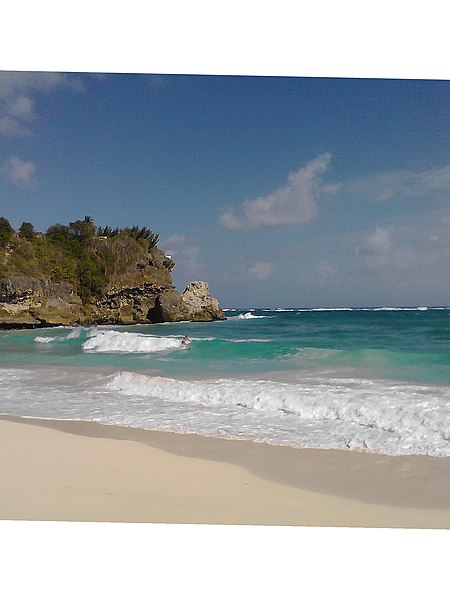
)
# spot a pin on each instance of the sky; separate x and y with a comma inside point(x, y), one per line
point(278, 191)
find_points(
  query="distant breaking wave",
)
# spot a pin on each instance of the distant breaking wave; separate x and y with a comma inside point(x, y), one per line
point(249, 315)
point(334, 309)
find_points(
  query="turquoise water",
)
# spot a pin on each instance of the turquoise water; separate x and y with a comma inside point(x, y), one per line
point(365, 379)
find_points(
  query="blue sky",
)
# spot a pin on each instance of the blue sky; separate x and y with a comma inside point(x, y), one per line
point(279, 191)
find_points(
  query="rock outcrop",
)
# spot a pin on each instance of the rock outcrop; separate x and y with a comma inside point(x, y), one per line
point(81, 274)
point(194, 304)
point(33, 302)
point(201, 305)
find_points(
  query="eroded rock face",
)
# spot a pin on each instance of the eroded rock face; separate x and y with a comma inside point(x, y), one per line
point(127, 305)
point(139, 289)
point(32, 302)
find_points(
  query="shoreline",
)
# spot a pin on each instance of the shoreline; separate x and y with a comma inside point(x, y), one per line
point(85, 471)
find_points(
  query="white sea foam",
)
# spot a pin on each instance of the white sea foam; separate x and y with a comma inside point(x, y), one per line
point(316, 353)
point(317, 412)
point(115, 341)
point(229, 340)
point(249, 340)
point(249, 315)
point(324, 309)
point(345, 308)
point(356, 414)
point(338, 308)
point(72, 335)
point(398, 308)
point(46, 339)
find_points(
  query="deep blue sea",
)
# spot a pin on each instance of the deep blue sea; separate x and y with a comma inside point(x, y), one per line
point(363, 379)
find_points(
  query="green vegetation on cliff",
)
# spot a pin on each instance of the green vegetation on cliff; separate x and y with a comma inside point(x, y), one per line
point(90, 258)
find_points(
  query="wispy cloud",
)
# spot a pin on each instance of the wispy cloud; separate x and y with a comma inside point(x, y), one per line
point(389, 185)
point(186, 255)
point(17, 106)
point(261, 269)
point(296, 202)
point(19, 172)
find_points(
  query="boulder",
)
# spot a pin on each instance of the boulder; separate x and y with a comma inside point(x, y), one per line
point(200, 304)
point(194, 304)
point(169, 307)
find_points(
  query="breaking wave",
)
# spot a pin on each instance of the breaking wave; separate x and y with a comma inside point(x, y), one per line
point(72, 335)
point(249, 315)
point(350, 413)
point(115, 341)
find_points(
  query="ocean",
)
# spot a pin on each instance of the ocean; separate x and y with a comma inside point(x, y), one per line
point(363, 379)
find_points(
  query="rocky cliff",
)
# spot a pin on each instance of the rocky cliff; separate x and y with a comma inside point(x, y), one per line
point(143, 293)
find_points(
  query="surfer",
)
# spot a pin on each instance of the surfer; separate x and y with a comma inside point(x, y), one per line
point(185, 342)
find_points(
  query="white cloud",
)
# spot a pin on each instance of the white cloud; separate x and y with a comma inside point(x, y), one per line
point(17, 107)
point(295, 202)
point(378, 250)
point(380, 242)
point(261, 269)
point(393, 253)
point(18, 171)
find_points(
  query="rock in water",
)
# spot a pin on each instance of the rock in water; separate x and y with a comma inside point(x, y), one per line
point(169, 306)
point(201, 305)
point(194, 304)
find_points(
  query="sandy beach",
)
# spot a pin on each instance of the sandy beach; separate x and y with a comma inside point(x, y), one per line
point(77, 471)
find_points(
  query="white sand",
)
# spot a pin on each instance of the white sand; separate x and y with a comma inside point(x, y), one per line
point(73, 471)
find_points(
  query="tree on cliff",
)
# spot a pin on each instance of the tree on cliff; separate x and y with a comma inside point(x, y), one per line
point(6, 231)
point(82, 230)
point(26, 230)
point(58, 232)
point(135, 232)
